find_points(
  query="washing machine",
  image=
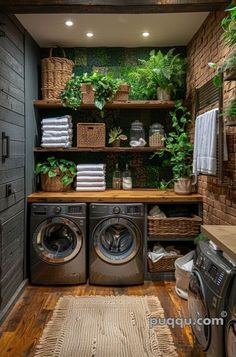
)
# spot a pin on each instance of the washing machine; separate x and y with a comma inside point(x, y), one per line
point(116, 254)
point(230, 335)
point(58, 243)
point(209, 288)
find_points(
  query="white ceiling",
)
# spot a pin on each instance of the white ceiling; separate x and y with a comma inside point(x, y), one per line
point(112, 30)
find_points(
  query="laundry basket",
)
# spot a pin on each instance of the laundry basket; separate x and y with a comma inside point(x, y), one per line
point(182, 276)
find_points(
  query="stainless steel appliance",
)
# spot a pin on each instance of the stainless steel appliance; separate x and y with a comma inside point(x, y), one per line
point(58, 243)
point(116, 254)
point(230, 336)
point(209, 289)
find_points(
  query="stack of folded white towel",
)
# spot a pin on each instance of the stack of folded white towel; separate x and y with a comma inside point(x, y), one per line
point(91, 177)
point(57, 132)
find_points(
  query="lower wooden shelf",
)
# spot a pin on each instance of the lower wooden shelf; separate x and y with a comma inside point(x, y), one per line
point(107, 149)
point(162, 276)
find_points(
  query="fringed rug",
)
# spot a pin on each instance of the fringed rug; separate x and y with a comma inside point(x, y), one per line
point(106, 326)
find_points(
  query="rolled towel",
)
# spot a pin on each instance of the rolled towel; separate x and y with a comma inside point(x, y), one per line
point(90, 184)
point(90, 188)
point(52, 133)
point(90, 173)
point(56, 145)
point(56, 127)
point(90, 178)
point(59, 139)
point(91, 167)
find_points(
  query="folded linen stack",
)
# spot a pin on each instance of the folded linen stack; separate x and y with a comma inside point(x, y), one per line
point(57, 132)
point(91, 177)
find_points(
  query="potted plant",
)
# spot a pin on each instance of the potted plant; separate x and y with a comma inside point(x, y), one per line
point(56, 174)
point(160, 75)
point(97, 88)
point(228, 67)
point(230, 112)
point(179, 150)
point(115, 136)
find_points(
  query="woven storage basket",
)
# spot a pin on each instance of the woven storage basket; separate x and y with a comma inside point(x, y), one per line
point(87, 93)
point(122, 95)
point(164, 264)
point(174, 226)
point(56, 71)
point(53, 184)
point(91, 135)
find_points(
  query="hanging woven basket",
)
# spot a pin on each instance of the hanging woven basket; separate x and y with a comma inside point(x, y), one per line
point(56, 71)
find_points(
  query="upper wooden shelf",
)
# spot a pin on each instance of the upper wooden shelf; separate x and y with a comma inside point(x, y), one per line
point(109, 195)
point(101, 149)
point(133, 104)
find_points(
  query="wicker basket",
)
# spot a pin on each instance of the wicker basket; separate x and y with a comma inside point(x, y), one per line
point(87, 93)
point(122, 95)
point(174, 226)
point(91, 135)
point(53, 184)
point(56, 71)
point(164, 264)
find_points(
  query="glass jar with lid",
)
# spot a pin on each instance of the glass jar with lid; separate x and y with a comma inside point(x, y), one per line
point(156, 135)
point(137, 134)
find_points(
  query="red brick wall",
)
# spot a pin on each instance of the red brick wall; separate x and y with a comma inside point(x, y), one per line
point(207, 46)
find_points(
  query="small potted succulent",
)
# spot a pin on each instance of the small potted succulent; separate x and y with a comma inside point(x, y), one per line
point(56, 175)
point(179, 150)
point(230, 113)
point(115, 136)
point(160, 75)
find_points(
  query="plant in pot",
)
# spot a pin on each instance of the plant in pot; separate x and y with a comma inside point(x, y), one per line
point(56, 174)
point(115, 136)
point(179, 150)
point(228, 66)
point(230, 112)
point(160, 75)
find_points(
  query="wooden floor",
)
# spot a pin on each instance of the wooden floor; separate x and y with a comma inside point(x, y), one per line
point(20, 332)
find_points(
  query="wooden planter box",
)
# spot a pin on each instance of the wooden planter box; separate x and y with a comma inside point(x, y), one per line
point(91, 135)
point(53, 184)
point(87, 93)
point(122, 95)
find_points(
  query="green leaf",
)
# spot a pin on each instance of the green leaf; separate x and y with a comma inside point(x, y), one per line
point(52, 173)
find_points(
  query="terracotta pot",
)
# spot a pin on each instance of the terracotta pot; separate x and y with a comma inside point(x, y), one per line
point(183, 186)
point(122, 95)
point(53, 184)
point(87, 93)
point(163, 94)
point(116, 143)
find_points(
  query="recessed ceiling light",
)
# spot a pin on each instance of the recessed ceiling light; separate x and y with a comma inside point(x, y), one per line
point(89, 34)
point(145, 34)
point(69, 23)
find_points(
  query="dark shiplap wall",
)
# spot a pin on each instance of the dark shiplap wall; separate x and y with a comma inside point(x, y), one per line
point(12, 122)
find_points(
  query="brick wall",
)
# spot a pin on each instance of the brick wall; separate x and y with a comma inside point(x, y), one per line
point(207, 46)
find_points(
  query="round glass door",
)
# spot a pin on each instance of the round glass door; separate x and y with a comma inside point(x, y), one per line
point(198, 310)
point(116, 240)
point(231, 339)
point(57, 240)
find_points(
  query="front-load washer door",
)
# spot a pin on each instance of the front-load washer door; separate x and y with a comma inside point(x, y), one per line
point(231, 339)
point(116, 240)
point(198, 310)
point(57, 240)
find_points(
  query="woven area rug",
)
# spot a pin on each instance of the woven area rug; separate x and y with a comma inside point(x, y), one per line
point(106, 326)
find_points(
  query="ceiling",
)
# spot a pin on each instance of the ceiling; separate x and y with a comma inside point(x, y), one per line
point(112, 30)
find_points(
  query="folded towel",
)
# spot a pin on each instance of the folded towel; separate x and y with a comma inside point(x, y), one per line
point(90, 173)
point(55, 121)
point(52, 133)
point(90, 184)
point(56, 145)
point(60, 117)
point(89, 178)
point(92, 167)
point(59, 139)
point(90, 188)
point(204, 154)
point(56, 127)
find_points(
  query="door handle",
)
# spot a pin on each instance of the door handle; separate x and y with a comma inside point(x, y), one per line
point(5, 146)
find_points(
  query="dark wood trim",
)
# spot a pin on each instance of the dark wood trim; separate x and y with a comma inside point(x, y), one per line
point(110, 6)
point(107, 149)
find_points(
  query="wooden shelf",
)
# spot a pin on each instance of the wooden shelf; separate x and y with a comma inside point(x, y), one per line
point(134, 104)
point(109, 195)
point(102, 149)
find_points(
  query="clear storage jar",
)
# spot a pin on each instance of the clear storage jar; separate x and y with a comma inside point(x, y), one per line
point(156, 135)
point(137, 134)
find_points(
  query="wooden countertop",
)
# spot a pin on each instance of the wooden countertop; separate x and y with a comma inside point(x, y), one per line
point(134, 195)
point(223, 236)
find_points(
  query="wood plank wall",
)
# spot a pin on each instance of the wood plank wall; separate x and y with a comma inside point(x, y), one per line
point(12, 122)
